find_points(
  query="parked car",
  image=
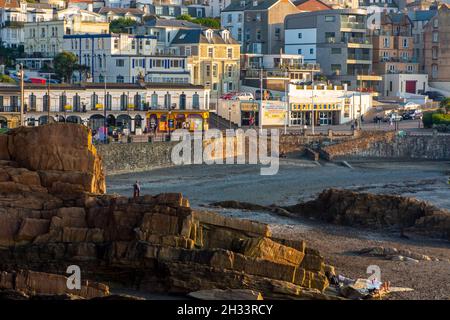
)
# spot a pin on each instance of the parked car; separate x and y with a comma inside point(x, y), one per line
point(228, 95)
point(436, 96)
point(377, 118)
point(267, 95)
point(243, 96)
point(412, 115)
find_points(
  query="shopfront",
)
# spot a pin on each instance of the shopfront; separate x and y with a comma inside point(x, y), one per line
point(249, 114)
point(165, 120)
point(322, 113)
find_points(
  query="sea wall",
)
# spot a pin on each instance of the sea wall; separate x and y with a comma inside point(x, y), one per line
point(391, 146)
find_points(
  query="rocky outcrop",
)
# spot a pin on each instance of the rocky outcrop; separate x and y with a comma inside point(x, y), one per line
point(61, 155)
point(53, 214)
point(27, 284)
point(377, 211)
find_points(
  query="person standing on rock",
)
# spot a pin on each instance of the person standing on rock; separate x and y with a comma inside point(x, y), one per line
point(136, 189)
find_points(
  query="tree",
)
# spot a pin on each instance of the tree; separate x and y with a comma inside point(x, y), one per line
point(64, 65)
point(213, 23)
point(121, 25)
point(6, 79)
point(445, 105)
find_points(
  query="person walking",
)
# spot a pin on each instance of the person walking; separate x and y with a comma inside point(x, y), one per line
point(136, 189)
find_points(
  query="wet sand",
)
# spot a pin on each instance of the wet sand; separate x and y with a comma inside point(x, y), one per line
point(299, 180)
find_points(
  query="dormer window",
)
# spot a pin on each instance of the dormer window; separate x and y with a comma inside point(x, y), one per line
point(225, 35)
point(209, 34)
point(242, 3)
point(255, 3)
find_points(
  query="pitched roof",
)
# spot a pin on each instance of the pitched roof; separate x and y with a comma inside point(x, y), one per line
point(262, 5)
point(105, 10)
point(421, 15)
point(311, 5)
point(9, 4)
point(197, 36)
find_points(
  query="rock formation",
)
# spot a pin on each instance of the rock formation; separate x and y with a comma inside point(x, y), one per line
point(61, 154)
point(53, 214)
point(377, 211)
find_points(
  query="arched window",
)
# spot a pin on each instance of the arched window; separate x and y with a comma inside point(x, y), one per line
point(76, 103)
point(195, 101)
point(123, 102)
point(167, 100)
point(120, 79)
point(182, 101)
point(94, 101)
point(154, 102)
point(32, 102)
point(62, 102)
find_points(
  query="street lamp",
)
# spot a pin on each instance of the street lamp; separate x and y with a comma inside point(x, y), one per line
point(229, 115)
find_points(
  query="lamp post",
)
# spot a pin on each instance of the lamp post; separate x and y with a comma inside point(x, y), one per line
point(105, 103)
point(22, 95)
point(312, 102)
point(229, 116)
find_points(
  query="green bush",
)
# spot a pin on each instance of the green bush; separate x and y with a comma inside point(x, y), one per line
point(427, 119)
point(440, 118)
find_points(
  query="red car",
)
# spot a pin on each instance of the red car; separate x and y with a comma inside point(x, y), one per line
point(228, 96)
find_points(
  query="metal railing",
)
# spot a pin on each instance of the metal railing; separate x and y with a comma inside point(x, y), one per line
point(353, 25)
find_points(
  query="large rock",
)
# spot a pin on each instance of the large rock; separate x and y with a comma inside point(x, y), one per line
point(60, 147)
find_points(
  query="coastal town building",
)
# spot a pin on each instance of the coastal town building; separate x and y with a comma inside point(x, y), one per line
point(127, 105)
point(258, 25)
point(338, 41)
point(273, 73)
point(318, 105)
point(126, 13)
point(393, 54)
point(437, 48)
point(311, 5)
point(44, 40)
point(124, 58)
point(419, 19)
point(214, 59)
point(13, 16)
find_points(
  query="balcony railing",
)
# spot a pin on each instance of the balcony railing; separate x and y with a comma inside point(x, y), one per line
point(359, 56)
point(12, 24)
point(353, 25)
point(360, 40)
point(284, 67)
point(10, 109)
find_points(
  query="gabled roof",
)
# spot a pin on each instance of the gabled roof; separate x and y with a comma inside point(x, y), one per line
point(311, 5)
point(396, 18)
point(421, 15)
point(262, 5)
point(9, 4)
point(134, 11)
point(197, 36)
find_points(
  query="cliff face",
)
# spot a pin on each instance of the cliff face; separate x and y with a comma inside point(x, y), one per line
point(62, 154)
point(50, 218)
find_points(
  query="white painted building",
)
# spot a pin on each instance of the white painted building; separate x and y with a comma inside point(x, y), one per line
point(232, 19)
point(14, 14)
point(402, 84)
point(327, 105)
point(124, 58)
point(127, 105)
point(303, 42)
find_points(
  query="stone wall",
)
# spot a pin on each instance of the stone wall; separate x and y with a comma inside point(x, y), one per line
point(134, 157)
point(390, 145)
